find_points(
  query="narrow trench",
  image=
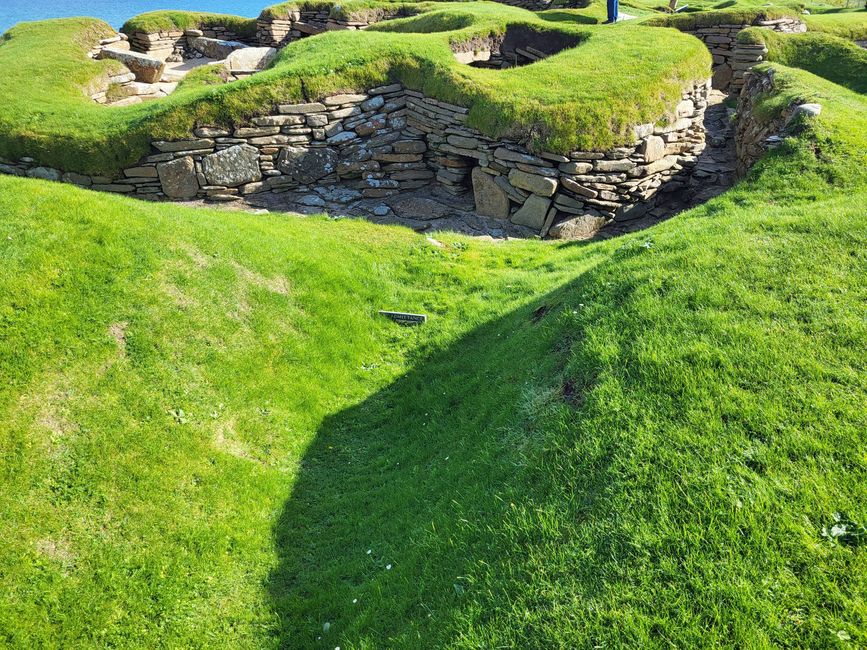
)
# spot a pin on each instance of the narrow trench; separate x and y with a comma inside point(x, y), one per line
point(714, 172)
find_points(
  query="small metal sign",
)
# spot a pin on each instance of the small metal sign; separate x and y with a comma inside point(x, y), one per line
point(403, 318)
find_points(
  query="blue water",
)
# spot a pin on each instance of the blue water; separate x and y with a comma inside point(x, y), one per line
point(116, 12)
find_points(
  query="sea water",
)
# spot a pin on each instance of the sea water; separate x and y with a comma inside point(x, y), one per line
point(116, 12)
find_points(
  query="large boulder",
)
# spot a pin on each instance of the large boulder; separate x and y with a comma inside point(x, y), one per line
point(231, 167)
point(145, 68)
point(250, 59)
point(307, 165)
point(214, 48)
point(178, 178)
point(491, 200)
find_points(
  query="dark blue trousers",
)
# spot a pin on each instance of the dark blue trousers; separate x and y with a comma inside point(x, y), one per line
point(613, 10)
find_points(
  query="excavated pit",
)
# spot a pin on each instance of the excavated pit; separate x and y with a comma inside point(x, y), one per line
point(519, 46)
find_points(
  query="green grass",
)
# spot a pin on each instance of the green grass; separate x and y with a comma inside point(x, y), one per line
point(156, 21)
point(833, 58)
point(586, 97)
point(205, 426)
point(851, 25)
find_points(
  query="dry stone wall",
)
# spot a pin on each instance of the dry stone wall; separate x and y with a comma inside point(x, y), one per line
point(177, 44)
point(392, 139)
point(277, 32)
point(755, 137)
point(721, 40)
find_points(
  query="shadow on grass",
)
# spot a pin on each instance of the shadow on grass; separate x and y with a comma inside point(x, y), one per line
point(415, 513)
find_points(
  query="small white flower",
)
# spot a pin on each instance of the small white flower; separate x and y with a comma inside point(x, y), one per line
point(369, 551)
point(354, 600)
point(388, 567)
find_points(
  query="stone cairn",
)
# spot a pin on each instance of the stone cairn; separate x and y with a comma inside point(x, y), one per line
point(392, 139)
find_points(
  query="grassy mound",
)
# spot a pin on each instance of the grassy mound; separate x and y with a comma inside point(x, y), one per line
point(586, 97)
point(157, 21)
point(833, 58)
point(209, 437)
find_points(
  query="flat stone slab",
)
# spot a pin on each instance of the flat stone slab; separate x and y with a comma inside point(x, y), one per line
point(231, 167)
point(145, 68)
point(214, 48)
point(250, 59)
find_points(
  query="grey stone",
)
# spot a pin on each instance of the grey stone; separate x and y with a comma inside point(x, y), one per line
point(532, 214)
point(541, 185)
point(145, 68)
point(338, 194)
point(806, 110)
point(409, 146)
point(312, 201)
point(301, 109)
point(250, 59)
point(85, 181)
point(652, 148)
point(214, 48)
point(413, 207)
point(373, 104)
point(234, 166)
point(183, 145)
point(507, 154)
point(579, 227)
point(576, 167)
point(45, 173)
point(613, 165)
point(178, 178)
point(491, 200)
point(381, 210)
point(307, 165)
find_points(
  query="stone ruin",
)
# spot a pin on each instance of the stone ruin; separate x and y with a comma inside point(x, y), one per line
point(367, 150)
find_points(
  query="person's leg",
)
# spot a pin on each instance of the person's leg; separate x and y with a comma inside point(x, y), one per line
point(616, 11)
point(612, 11)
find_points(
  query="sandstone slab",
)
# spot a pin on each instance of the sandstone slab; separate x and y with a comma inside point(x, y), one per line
point(580, 227)
point(250, 59)
point(532, 214)
point(231, 167)
point(541, 185)
point(307, 165)
point(178, 178)
point(145, 68)
point(214, 48)
point(491, 200)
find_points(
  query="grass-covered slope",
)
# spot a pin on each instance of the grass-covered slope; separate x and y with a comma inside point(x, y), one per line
point(831, 57)
point(208, 437)
point(157, 21)
point(584, 97)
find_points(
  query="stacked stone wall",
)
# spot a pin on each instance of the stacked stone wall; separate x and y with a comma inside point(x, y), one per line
point(721, 40)
point(175, 44)
point(755, 137)
point(277, 32)
point(391, 139)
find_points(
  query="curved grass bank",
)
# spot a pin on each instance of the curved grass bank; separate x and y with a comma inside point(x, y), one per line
point(586, 97)
point(833, 58)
